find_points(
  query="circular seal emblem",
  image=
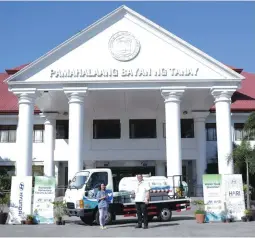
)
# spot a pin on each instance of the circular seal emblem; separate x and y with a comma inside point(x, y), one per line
point(124, 46)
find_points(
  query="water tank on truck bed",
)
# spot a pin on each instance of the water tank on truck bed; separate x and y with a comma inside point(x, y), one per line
point(160, 186)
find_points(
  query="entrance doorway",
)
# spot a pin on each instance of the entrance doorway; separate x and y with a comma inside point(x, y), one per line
point(121, 172)
point(187, 175)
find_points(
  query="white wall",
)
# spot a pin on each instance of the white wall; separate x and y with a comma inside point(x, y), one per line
point(119, 149)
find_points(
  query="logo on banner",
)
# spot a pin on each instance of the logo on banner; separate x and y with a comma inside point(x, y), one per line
point(233, 181)
point(21, 189)
point(124, 46)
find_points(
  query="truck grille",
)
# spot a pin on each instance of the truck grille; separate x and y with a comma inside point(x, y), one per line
point(70, 205)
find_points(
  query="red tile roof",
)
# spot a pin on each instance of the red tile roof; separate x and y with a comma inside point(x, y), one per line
point(16, 69)
point(242, 100)
point(8, 101)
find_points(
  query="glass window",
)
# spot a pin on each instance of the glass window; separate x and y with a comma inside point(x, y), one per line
point(97, 179)
point(106, 129)
point(62, 128)
point(38, 133)
point(8, 133)
point(164, 130)
point(142, 128)
point(211, 132)
point(79, 180)
point(187, 128)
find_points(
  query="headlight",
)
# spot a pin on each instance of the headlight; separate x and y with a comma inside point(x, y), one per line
point(79, 204)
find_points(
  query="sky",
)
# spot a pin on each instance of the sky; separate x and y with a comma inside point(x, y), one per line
point(224, 30)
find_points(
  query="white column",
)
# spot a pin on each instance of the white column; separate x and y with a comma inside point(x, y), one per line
point(49, 141)
point(200, 135)
point(160, 168)
point(76, 132)
point(25, 134)
point(223, 123)
point(173, 131)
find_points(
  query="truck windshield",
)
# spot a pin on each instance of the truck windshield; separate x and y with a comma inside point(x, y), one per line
point(79, 180)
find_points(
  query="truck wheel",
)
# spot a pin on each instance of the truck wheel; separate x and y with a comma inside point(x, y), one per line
point(87, 220)
point(108, 219)
point(165, 214)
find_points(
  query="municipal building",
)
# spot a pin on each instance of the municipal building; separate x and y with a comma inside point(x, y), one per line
point(125, 94)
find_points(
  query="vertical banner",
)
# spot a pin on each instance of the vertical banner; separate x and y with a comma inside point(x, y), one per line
point(44, 195)
point(21, 198)
point(233, 195)
point(213, 197)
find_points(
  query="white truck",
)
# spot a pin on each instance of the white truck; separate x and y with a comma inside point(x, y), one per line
point(165, 196)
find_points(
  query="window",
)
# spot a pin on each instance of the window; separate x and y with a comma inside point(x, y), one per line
point(8, 133)
point(38, 133)
point(106, 129)
point(240, 134)
point(96, 179)
point(142, 128)
point(164, 130)
point(187, 128)
point(62, 128)
point(211, 132)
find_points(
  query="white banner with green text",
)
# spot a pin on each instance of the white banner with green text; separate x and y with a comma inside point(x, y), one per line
point(44, 195)
point(223, 197)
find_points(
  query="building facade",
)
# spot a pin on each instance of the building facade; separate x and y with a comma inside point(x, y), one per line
point(125, 94)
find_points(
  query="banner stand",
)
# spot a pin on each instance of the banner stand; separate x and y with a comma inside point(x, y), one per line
point(223, 197)
point(20, 200)
point(44, 196)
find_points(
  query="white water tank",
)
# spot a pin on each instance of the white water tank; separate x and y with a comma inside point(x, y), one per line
point(128, 184)
point(158, 184)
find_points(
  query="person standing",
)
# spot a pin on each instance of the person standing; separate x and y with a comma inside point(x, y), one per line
point(102, 205)
point(142, 196)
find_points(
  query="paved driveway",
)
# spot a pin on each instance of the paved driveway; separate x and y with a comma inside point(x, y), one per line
point(180, 226)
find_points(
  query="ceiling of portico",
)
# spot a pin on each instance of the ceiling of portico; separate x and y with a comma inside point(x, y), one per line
point(155, 47)
point(125, 101)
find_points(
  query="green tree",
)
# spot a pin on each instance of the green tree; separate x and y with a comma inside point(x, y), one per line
point(249, 125)
point(243, 155)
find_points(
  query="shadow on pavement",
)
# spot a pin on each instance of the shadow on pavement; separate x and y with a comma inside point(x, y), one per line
point(165, 224)
point(133, 222)
point(183, 218)
point(151, 225)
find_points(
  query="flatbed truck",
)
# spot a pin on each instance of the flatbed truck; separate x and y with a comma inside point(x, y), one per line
point(80, 198)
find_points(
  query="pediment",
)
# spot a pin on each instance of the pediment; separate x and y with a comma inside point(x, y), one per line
point(124, 46)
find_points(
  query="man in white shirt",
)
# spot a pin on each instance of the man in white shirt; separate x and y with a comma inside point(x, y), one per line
point(142, 196)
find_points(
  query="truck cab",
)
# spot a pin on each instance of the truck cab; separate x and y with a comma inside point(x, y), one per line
point(80, 196)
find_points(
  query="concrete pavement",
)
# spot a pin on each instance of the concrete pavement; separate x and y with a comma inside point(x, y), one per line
point(180, 226)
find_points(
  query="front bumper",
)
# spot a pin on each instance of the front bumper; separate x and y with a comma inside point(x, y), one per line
point(79, 212)
point(74, 212)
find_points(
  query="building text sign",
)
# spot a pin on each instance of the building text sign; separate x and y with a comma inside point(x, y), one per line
point(115, 73)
